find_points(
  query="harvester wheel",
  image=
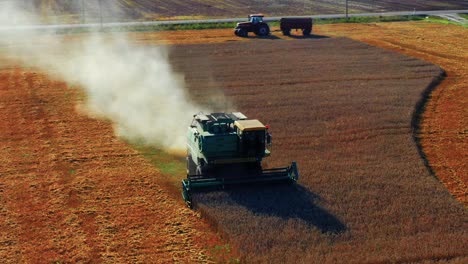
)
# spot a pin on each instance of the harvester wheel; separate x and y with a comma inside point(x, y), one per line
point(286, 32)
point(186, 196)
point(263, 31)
point(306, 32)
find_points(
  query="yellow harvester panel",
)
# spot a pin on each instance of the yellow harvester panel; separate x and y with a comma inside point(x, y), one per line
point(249, 125)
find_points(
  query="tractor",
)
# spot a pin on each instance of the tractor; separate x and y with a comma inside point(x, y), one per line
point(255, 25)
point(226, 149)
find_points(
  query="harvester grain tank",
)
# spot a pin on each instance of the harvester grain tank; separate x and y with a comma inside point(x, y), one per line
point(227, 149)
point(255, 25)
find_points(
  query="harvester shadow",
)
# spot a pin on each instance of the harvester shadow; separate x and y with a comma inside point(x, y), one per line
point(287, 201)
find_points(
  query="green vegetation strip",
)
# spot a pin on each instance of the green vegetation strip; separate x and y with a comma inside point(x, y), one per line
point(167, 163)
point(368, 19)
point(444, 21)
point(465, 16)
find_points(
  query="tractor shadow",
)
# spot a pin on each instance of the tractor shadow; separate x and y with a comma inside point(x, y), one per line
point(287, 201)
point(312, 36)
point(269, 37)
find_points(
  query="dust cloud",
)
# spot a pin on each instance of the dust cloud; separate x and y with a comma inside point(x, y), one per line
point(133, 86)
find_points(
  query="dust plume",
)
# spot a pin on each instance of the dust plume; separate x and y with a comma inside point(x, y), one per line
point(133, 86)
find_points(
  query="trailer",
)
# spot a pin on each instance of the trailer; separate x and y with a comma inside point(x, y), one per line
point(297, 23)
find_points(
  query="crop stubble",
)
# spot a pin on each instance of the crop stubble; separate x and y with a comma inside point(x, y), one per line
point(70, 191)
point(343, 111)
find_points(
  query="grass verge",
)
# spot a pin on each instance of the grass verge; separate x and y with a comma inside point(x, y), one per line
point(170, 165)
point(434, 19)
point(368, 19)
point(465, 16)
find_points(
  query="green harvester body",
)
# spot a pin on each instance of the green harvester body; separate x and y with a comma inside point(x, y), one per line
point(227, 149)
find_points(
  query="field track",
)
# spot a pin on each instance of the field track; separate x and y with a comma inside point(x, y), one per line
point(70, 191)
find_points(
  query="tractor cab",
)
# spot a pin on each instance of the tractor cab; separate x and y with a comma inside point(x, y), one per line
point(256, 18)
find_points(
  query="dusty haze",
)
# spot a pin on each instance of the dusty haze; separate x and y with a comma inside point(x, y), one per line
point(133, 86)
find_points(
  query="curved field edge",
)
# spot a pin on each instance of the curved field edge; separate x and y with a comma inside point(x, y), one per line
point(443, 123)
point(417, 117)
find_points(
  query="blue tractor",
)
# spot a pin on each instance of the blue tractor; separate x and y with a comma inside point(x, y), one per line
point(228, 149)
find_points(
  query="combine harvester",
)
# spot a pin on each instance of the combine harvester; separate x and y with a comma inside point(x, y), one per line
point(227, 149)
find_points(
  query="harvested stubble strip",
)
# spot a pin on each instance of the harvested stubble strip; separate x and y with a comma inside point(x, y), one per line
point(70, 191)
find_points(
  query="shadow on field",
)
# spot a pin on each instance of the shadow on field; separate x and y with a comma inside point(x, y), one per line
point(307, 37)
point(416, 117)
point(270, 37)
point(287, 201)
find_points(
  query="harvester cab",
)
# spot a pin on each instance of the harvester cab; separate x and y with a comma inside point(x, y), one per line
point(255, 24)
point(227, 149)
